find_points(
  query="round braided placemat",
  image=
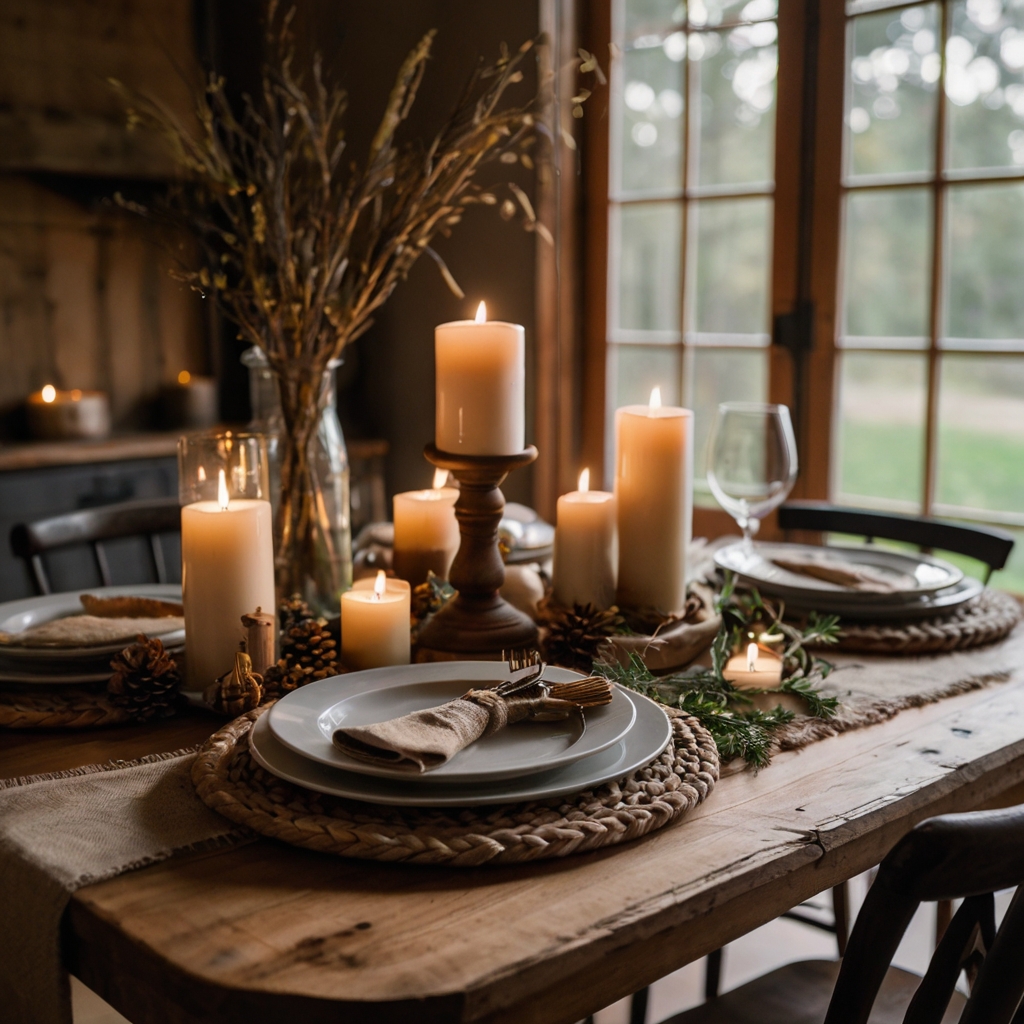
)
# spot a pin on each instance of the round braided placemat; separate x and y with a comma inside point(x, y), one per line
point(63, 708)
point(232, 783)
point(987, 618)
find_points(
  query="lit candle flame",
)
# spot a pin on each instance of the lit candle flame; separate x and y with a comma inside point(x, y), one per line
point(751, 657)
point(481, 313)
point(184, 377)
point(584, 485)
point(440, 478)
point(222, 490)
point(656, 398)
point(380, 584)
point(49, 393)
point(201, 474)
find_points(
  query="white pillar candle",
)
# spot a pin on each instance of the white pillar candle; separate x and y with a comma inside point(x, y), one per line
point(375, 625)
point(586, 547)
point(654, 493)
point(426, 531)
point(481, 386)
point(392, 585)
point(227, 570)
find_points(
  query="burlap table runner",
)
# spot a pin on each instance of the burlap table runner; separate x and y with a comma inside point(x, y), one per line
point(60, 832)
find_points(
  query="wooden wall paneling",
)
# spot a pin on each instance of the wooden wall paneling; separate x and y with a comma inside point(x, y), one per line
point(595, 34)
point(72, 296)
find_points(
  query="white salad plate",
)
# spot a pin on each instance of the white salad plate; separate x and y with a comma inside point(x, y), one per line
point(648, 738)
point(47, 662)
point(916, 574)
point(305, 720)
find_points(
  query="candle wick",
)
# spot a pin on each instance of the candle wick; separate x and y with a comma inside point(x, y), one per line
point(751, 657)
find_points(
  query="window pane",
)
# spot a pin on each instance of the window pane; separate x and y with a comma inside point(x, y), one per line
point(985, 85)
point(983, 294)
point(648, 266)
point(981, 433)
point(879, 443)
point(735, 122)
point(730, 255)
point(647, 21)
point(714, 12)
point(887, 263)
point(639, 368)
point(892, 91)
point(651, 126)
point(720, 375)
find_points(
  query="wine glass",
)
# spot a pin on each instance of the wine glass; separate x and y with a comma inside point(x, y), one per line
point(752, 461)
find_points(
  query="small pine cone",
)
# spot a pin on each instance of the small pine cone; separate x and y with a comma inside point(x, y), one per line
point(146, 681)
point(308, 652)
point(575, 635)
point(291, 612)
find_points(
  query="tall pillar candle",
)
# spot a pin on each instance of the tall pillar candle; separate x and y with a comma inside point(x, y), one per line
point(654, 493)
point(375, 625)
point(481, 386)
point(586, 547)
point(227, 559)
point(426, 531)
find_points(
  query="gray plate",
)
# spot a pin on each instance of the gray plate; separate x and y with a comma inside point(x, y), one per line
point(648, 738)
point(305, 720)
point(941, 602)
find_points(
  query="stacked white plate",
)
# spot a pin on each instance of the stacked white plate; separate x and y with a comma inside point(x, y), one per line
point(48, 666)
point(924, 585)
point(527, 761)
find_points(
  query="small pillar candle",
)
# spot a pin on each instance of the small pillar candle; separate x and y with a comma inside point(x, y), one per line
point(227, 570)
point(756, 669)
point(586, 547)
point(375, 625)
point(190, 402)
point(654, 496)
point(481, 386)
point(68, 415)
point(426, 531)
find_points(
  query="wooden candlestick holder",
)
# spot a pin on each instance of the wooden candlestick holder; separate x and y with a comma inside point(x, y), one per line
point(478, 622)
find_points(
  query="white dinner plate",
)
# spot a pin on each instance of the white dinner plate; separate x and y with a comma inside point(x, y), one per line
point(16, 616)
point(305, 720)
point(929, 575)
point(648, 738)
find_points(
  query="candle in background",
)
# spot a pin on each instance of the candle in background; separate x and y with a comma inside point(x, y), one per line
point(756, 669)
point(227, 559)
point(375, 625)
point(654, 495)
point(68, 415)
point(426, 531)
point(481, 386)
point(190, 402)
point(586, 547)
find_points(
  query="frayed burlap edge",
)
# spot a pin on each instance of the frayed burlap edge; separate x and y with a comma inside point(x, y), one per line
point(228, 780)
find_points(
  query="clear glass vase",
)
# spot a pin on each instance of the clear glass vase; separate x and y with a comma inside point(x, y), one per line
point(312, 522)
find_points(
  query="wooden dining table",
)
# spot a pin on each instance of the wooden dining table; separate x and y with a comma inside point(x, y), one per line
point(264, 932)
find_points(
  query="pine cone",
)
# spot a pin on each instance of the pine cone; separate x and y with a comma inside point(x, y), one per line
point(291, 612)
point(145, 681)
point(575, 635)
point(308, 652)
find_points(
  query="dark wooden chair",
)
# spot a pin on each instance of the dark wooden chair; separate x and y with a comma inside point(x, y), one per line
point(968, 856)
point(987, 544)
point(147, 518)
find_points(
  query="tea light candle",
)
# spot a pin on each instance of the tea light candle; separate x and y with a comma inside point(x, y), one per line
point(654, 494)
point(481, 386)
point(227, 559)
point(60, 415)
point(426, 531)
point(375, 625)
point(757, 669)
point(586, 547)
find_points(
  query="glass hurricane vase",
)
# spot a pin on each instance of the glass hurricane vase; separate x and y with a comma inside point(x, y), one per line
point(309, 477)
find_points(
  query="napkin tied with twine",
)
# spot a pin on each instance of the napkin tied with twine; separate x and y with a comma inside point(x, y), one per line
point(424, 740)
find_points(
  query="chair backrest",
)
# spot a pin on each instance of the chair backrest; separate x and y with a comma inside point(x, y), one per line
point(93, 526)
point(967, 856)
point(987, 544)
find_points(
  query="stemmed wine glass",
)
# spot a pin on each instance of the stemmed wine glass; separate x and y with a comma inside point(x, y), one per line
point(752, 461)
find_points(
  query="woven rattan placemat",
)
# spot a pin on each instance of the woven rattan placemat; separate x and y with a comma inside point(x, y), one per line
point(681, 777)
point(66, 707)
point(987, 618)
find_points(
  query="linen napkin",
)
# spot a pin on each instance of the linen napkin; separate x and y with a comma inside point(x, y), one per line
point(844, 573)
point(59, 833)
point(424, 740)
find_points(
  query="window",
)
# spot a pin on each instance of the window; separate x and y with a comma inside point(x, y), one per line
point(692, 145)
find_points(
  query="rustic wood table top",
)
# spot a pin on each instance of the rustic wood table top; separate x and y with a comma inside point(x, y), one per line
point(269, 933)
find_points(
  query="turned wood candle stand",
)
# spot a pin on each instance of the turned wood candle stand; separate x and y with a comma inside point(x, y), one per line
point(478, 622)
